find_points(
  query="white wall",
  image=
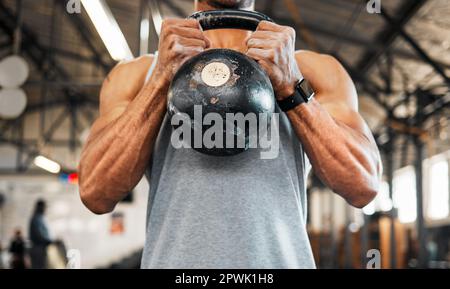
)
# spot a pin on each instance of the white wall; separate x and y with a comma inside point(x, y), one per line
point(326, 207)
point(70, 221)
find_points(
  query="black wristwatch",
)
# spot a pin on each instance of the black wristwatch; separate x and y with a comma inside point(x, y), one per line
point(302, 94)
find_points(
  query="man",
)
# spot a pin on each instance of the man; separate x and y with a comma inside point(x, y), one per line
point(230, 212)
point(39, 237)
point(17, 248)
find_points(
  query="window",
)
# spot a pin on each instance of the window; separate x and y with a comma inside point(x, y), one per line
point(438, 187)
point(382, 202)
point(405, 200)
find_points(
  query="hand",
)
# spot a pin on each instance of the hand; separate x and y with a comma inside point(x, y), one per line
point(180, 39)
point(273, 47)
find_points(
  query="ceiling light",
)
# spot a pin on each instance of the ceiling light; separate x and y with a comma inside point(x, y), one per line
point(108, 29)
point(47, 164)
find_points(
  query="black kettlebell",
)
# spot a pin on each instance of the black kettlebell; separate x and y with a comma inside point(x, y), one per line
point(222, 81)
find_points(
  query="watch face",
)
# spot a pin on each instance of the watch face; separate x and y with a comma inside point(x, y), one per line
point(306, 89)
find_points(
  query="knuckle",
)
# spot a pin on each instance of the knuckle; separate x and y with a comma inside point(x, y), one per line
point(191, 21)
point(292, 32)
point(167, 22)
point(278, 49)
point(169, 30)
point(265, 24)
point(260, 34)
point(177, 49)
point(172, 40)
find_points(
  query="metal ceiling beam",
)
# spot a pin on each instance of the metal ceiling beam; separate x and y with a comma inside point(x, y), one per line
point(351, 39)
point(420, 51)
point(73, 55)
point(320, 29)
point(83, 29)
point(439, 105)
point(65, 84)
point(176, 9)
point(268, 7)
point(44, 62)
point(5, 43)
point(36, 52)
point(371, 88)
point(388, 36)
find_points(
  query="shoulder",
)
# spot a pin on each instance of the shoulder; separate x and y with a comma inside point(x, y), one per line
point(124, 82)
point(315, 56)
point(130, 68)
point(320, 64)
point(327, 75)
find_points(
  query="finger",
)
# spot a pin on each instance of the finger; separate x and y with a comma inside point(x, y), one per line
point(267, 66)
point(208, 42)
point(190, 52)
point(184, 41)
point(269, 26)
point(187, 50)
point(263, 35)
point(262, 54)
point(261, 43)
point(187, 32)
point(192, 23)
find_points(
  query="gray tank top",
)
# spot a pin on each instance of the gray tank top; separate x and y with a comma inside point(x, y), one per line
point(227, 212)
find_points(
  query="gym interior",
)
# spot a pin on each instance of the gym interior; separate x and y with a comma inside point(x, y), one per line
point(55, 55)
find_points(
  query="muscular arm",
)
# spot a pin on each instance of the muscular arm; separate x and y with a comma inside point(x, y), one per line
point(336, 139)
point(121, 140)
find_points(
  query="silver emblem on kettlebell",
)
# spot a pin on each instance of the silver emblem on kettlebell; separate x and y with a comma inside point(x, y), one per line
point(216, 74)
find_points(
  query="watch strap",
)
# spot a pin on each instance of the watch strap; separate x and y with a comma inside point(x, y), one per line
point(302, 94)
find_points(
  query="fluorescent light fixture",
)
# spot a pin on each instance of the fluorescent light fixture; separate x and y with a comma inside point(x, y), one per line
point(145, 32)
point(47, 164)
point(108, 29)
point(156, 16)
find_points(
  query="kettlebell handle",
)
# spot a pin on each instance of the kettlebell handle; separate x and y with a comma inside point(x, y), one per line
point(230, 19)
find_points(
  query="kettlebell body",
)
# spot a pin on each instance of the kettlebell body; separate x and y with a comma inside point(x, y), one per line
point(226, 83)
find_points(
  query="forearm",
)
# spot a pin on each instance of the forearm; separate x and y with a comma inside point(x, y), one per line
point(343, 158)
point(114, 159)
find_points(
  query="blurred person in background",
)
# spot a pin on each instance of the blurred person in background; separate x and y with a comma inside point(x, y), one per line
point(18, 251)
point(39, 237)
point(2, 264)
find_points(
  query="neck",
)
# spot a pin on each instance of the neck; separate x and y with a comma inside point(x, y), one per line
point(228, 38)
point(225, 38)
